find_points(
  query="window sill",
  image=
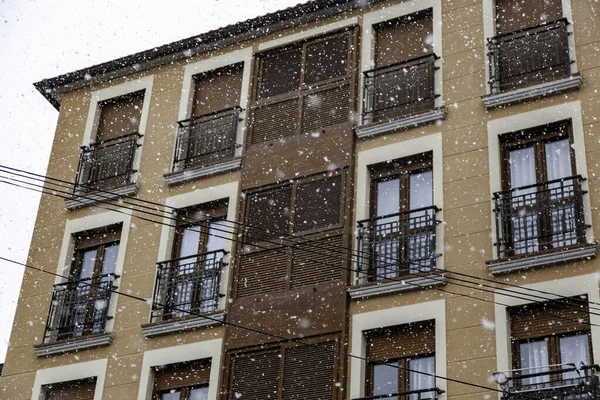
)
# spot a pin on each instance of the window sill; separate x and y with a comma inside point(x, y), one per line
point(404, 285)
point(73, 344)
point(573, 82)
point(508, 265)
point(367, 131)
point(86, 199)
point(181, 325)
point(192, 173)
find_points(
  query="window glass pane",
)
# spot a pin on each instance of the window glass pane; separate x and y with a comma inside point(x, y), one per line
point(88, 259)
point(388, 197)
point(190, 237)
point(419, 381)
point(385, 378)
point(558, 159)
point(326, 59)
point(172, 395)
point(199, 394)
point(421, 190)
point(215, 239)
point(522, 167)
point(109, 263)
point(534, 359)
point(280, 73)
point(575, 350)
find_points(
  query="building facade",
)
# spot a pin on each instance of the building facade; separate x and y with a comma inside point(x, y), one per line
point(341, 200)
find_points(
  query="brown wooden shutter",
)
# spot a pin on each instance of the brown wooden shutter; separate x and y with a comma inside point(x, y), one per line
point(512, 15)
point(182, 375)
point(280, 72)
point(269, 213)
point(326, 59)
point(255, 376)
point(97, 237)
point(402, 341)
point(549, 318)
point(314, 263)
point(326, 108)
point(309, 372)
point(318, 204)
point(82, 389)
point(120, 116)
point(262, 272)
point(275, 121)
point(217, 90)
point(404, 38)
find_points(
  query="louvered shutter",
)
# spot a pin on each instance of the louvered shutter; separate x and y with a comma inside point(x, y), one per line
point(73, 390)
point(182, 375)
point(217, 90)
point(401, 341)
point(318, 204)
point(326, 108)
point(512, 15)
point(549, 318)
point(314, 263)
point(120, 116)
point(309, 372)
point(262, 272)
point(326, 59)
point(268, 214)
point(280, 72)
point(404, 38)
point(275, 121)
point(255, 376)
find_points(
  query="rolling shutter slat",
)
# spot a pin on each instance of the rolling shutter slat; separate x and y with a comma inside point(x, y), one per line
point(73, 390)
point(217, 90)
point(268, 214)
point(318, 204)
point(404, 38)
point(310, 268)
point(182, 375)
point(326, 108)
point(402, 341)
point(255, 376)
point(275, 121)
point(120, 116)
point(262, 272)
point(309, 373)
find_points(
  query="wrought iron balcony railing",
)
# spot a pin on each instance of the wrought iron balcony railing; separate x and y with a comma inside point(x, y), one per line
point(397, 245)
point(528, 56)
point(107, 165)
point(187, 286)
point(540, 217)
point(79, 308)
point(207, 139)
point(421, 394)
point(552, 382)
point(400, 89)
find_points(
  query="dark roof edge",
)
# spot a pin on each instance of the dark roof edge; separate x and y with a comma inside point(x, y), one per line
point(53, 88)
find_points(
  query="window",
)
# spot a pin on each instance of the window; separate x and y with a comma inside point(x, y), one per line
point(183, 381)
point(400, 235)
point(550, 343)
point(107, 163)
point(80, 306)
point(392, 351)
point(304, 87)
point(82, 389)
point(541, 205)
point(189, 282)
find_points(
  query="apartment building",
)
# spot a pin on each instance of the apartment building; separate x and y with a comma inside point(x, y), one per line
point(340, 200)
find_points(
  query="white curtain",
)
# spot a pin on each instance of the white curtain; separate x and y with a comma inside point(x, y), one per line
point(421, 190)
point(199, 394)
point(419, 381)
point(388, 199)
point(385, 378)
point(534, 359)
point(522, 167)
point(558, 159)
point(525, 223)
point(574, 349)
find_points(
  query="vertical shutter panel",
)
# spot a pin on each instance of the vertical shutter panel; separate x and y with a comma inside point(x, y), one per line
point(326, 108)
point(255, 376)
point(309, 372)
point(512, 15)
point(404, 38)
point(280, 72)
point(262, 272)
point(217, 90)
point(182, 375)
point(268, 214)
point(318, 204)
point(310, 268)
point(275, 121)
point(537, 320)
point(120, 116)
point(402, 341)
point(73, 390)
point(326, 59)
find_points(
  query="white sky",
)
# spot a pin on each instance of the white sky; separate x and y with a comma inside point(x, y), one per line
point(45, 38)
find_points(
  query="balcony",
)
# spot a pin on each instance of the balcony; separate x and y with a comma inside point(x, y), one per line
point(78, 315)
point(421, 394)
point(399, 95)
point(540, 224)
point(105, 171)
point(530, 63)
point(186, 287)
point(397, 253)
point(554, 382)
point(205, 146)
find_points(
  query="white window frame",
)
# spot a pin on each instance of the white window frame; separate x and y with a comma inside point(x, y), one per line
point(532, 119)
point(65, 373)
point(393, 12)
point(209, 349)
point(394, 316)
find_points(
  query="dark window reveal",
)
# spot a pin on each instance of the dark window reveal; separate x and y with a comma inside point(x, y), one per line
point(82, 389)
point(182, 381)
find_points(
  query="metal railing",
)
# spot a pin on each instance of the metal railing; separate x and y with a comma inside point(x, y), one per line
point(421, 394)
point(554, 382)
point(107, 164)
point(79, 308)
point(187, 285)
point(399, 89)
point(396, 245)
point(529, 55)
point(539, 217)
point(206, 139)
